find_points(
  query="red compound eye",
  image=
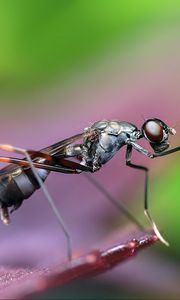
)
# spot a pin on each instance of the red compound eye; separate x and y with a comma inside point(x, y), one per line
point(154, 131)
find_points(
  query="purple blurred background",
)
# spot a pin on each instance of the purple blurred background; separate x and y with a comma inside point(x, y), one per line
point(133, 80)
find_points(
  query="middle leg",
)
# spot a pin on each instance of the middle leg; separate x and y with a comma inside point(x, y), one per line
point(146, 210)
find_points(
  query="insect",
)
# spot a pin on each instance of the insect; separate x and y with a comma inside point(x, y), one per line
point(92, 148)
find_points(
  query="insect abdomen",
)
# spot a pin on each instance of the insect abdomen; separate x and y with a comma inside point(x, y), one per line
point(18, 186)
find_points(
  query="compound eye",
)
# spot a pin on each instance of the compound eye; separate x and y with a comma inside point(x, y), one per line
point(154, 131)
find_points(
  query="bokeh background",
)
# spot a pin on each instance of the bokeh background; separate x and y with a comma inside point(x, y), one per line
point(64, 65)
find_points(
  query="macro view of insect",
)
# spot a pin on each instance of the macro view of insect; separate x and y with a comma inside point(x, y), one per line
point(92, 148)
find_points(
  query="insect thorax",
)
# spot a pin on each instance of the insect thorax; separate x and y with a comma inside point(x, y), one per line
point(102, 140)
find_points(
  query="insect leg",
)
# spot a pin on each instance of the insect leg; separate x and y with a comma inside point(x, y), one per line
point(46, 193)
point(45, 166)
point(146, 211)
point(4, 215)
point(51, 160)
point(166, 152)
point(113, 201)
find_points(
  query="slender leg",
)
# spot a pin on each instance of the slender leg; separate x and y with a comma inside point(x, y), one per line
point(146, 211)
point(67, 166)
point(113, 201)
point(166, 152)
point(39, 165)
point(149, 154)
point(46, 193)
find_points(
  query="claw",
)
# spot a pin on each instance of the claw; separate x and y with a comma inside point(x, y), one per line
point(159, 236)
point(156, 230)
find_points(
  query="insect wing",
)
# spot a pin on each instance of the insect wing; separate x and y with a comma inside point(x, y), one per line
point(58, 147)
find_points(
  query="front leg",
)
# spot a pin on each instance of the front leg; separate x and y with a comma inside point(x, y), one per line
point(146, 170)
point(139, 148)
point(149, 154)
point(166, 152)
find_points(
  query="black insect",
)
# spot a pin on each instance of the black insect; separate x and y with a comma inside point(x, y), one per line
point(97, 145)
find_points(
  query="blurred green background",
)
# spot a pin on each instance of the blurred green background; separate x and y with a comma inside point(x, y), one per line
point(48, 46)
point(43, 41)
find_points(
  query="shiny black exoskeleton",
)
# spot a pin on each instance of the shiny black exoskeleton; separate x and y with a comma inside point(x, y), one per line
point(96, 146)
